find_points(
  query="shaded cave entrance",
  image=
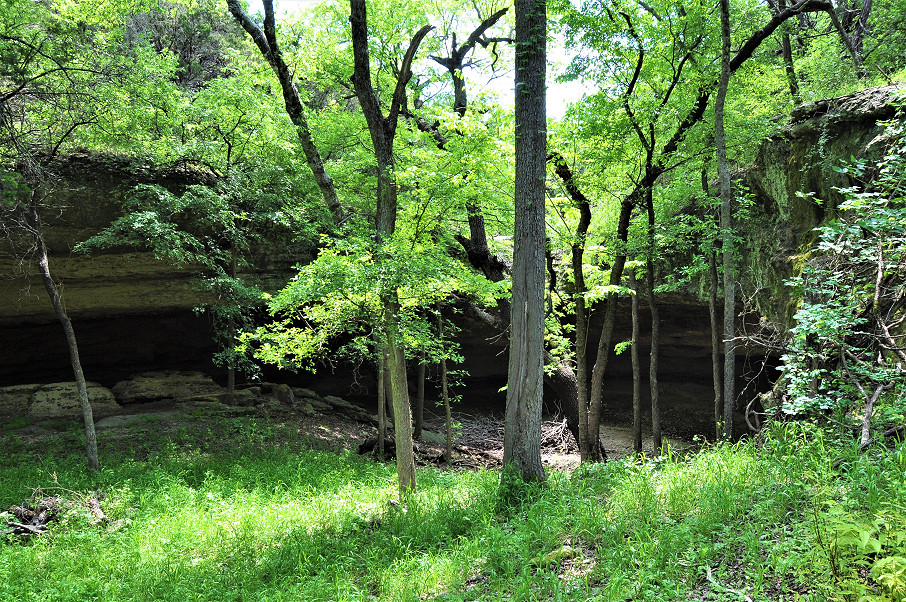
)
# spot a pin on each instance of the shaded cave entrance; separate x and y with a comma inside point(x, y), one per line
point(114, 348)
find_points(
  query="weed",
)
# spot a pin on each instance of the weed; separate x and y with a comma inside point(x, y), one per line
point(241, 517)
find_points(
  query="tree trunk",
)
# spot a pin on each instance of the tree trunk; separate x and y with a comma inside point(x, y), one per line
point(726, 223)
point(448, 454)
point(861, 29)
point(381, 402)
point(420, 398)
point(636, 368)
point(578, 250)
point(402, 416)
point(790, 67)
point(715, 343)
point(522, 432)
point(596, 399)
point(786, 49)
point(231, 330)
point(267, 44)
point(382, 130)
point(34, 224)
point(605, 343)
point(655, 330)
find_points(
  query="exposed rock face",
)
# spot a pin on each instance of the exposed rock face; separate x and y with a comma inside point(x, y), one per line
point(156, 386)
point(795, 184)
point(54, 400)
point(133, 314)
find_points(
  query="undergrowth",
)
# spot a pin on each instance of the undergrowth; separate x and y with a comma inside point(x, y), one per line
point(241, 510)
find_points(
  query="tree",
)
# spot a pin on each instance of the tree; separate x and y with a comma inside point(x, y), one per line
point(383, 131)
point(51, 75)
point(266, 41)
point(726, 224)
point(522, 434)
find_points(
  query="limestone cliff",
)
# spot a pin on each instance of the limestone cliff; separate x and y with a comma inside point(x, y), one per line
point(794, 186)
point(131, 312)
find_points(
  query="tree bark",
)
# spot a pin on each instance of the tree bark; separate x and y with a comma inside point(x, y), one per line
point(726, 223)
point(605, 343)
point(859, 31)
point(382, 130)
point(786, 50)
point(715, 342)
point(655, 330)
point(522, 432)
point(561, 168)
point(420, 398)
point(382, 401)
point(267, 44)
point(445, 393)
point(636, 368)
point(34, 224)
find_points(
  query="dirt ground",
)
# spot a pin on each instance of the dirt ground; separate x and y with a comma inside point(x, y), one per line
point(477, 442)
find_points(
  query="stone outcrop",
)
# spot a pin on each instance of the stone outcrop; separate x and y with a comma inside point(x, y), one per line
point(166, 385)
point(795, 186)
point(55, 400)
point(133, 314)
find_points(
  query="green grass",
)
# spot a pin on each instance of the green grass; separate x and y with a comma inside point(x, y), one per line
point(240, 509)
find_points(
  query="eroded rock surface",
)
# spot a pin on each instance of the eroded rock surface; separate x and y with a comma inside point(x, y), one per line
point(55, 400)
point(157, 386)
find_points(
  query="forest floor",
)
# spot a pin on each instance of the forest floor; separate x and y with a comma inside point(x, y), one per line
point(273, 505)
point(477, 434)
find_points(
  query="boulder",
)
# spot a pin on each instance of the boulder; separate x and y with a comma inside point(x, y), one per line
point(312, 399)
point(304, 407)
point(169, 384)
point(338, 404)
point(62, 400)
point(209, 405)
point(307, 394)
point(241, 397)
point(284, 395)
point(14, 401)
point(434, 438)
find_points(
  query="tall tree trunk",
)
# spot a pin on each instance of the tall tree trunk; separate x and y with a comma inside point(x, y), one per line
point(655, 330)
point(445, 393)
point(726, 222)
point(402, 416)
point(861, 29)
point(381, 401)
point(420, 398)
point(581, 342)
point(382, 130)
point(34, 224)
point(790, 67)
point(562, 169)
point(522, 432)
point(231, 330)
point(636, 368)
point(786, 49)
point(715, 343)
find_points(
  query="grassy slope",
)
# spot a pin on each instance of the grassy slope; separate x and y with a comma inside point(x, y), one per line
point(240, 510)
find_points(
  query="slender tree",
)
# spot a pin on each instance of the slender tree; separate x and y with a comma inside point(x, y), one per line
point(726, 222)
point(266, 40)
point(636, 367)
point(522, 433)
point(383, 130)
